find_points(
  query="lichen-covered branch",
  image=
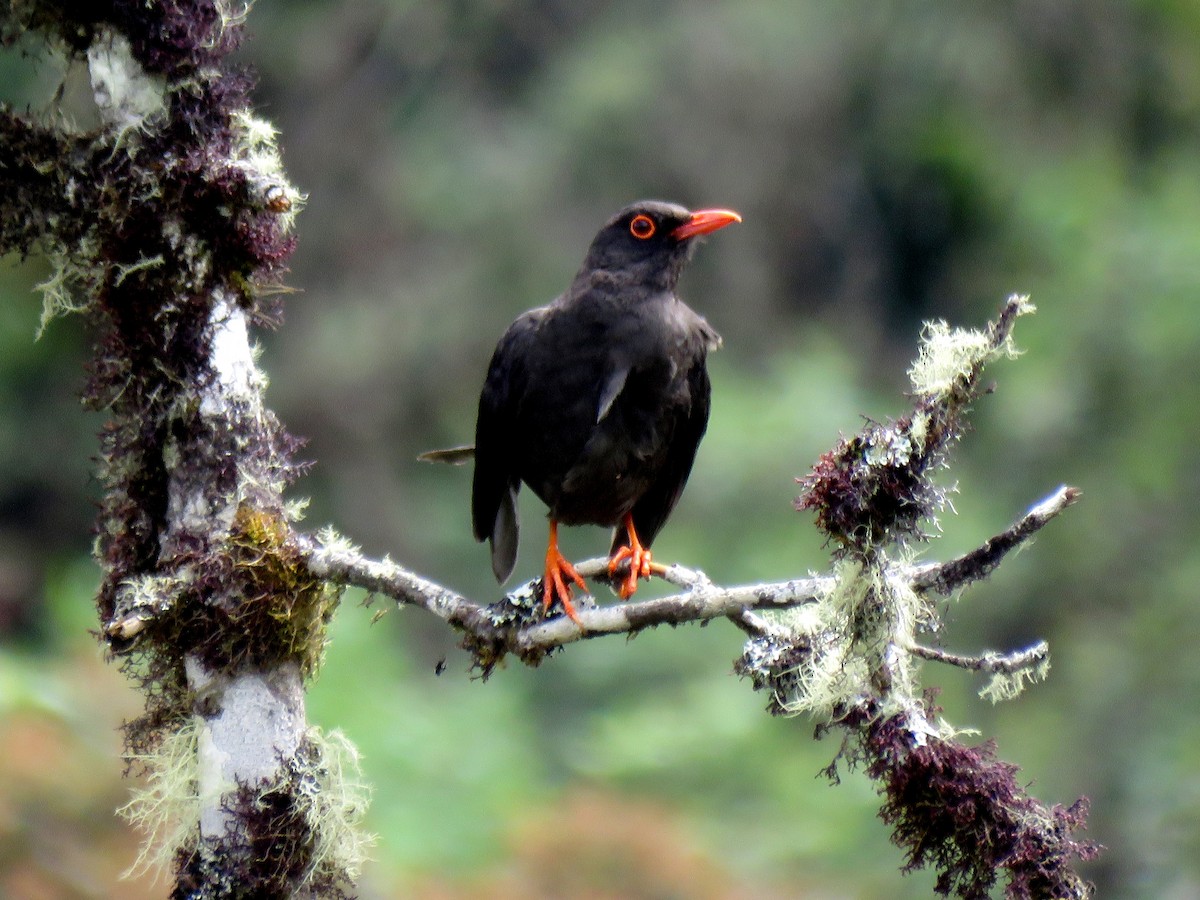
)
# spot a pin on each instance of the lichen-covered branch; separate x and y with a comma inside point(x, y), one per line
point(1010, 672)
point(947, 577)
point(851, 660)
point(1006, 663)
point(516, 623)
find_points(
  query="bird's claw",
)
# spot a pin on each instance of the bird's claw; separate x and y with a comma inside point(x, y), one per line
point(556, 583)
point(640, 566)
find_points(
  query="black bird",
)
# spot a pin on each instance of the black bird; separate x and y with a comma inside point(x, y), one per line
point(598, 401)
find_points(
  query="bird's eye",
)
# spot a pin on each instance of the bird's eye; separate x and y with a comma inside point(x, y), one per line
point(642, 227)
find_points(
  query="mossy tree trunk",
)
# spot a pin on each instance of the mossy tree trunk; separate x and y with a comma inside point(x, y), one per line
point(163, 226)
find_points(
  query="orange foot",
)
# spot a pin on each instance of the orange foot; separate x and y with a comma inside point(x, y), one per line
point(640, 563)
point(555, 578)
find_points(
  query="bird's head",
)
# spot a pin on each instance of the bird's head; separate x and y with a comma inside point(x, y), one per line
point(651, 240)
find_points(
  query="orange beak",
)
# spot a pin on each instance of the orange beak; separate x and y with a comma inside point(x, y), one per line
point(704, 221)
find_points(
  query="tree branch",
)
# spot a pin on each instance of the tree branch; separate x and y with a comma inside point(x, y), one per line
point(947, 577)
point(515, 624)
point(991, 662)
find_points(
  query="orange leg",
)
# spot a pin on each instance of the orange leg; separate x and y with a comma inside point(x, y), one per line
point(555, 578)
point(640, 564)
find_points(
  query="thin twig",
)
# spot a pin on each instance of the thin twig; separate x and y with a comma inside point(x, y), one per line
point(1014, 661)
point(948, 577)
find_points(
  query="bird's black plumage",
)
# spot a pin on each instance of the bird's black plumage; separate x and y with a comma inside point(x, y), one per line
point(599, 400)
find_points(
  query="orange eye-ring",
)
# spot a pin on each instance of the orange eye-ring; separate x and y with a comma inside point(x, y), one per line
point(642, 227)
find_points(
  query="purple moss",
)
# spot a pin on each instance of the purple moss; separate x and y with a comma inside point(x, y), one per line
point(864, 493)
point(961, 810)
point(168, 37)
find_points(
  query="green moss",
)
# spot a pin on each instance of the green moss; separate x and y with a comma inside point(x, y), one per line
point(281, 611)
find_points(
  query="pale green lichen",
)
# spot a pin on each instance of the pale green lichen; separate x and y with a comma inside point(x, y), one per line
point(851, 639)
point(296, 509)
point(336, 807)
point(1008, 685)
point(950, 355)
point(62, 290)
point(330, 792)
point(155, 593)
point(232, 14)
point(141, 265)
point(256, 152)
point(335, 543)
point(166, 809)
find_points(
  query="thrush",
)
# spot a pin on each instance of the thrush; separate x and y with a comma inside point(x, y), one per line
point(599, 400)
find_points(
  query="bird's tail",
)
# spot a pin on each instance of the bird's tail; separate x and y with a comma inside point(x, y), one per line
point(454, 456)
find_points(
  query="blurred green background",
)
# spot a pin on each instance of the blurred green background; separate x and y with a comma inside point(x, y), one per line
point(894, 162)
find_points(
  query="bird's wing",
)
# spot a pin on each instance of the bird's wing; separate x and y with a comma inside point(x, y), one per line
point(496, 482)
point(613, 385)
point(652, 509)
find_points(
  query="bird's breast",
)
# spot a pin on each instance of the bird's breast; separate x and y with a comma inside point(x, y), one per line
point(606, 386)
